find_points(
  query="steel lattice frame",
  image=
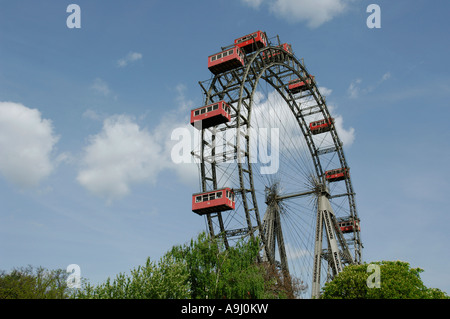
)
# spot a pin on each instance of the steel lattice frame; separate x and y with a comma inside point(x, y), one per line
point(238, 87)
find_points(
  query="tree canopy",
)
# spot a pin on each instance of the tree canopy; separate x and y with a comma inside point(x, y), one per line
point(397, 281)
point(34, 283)
point(204, 269)
point(200, 269)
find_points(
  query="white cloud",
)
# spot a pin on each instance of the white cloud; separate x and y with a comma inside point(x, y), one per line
point(184, 105)
point(122, 154)
point(253, 3)
point(386, 76)
point(266, 113)
point(131, 57)
point(101, 87)
point(269, 111)
point(313, 12)
point(295, 252)
point(354, 90)
point(92, 115)
point(347, 137)
point(186, 172)
point(26, 143)
point(325, 91)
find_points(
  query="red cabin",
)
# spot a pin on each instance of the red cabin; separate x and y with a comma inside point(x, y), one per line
point(211, 115)
point(274, 53)
point(226, 60)
point(321, 126)
point(295, 86)
point(338, 174)
point(213, 201)
point(348, 225)
point(252, 42)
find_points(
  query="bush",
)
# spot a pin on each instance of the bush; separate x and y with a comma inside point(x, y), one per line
point(30, 283)
point(201, 269)
point(398, 281)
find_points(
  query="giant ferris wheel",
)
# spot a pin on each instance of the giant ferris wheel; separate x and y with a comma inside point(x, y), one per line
point(271, 163)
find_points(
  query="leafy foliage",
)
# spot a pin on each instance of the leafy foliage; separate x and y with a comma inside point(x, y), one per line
point(218, 273)
point(201, 269)
point(30, 283)
point(398, 281)
point(163, 280)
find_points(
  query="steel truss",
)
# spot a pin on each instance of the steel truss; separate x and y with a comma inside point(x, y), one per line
point(238, 87)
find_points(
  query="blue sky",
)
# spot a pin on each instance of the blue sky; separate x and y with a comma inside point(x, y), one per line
point(75, 98)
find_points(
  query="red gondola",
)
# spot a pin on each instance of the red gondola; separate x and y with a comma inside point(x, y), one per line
point(252, 42)
point(214, 201)
point(321, 126)
point(274, 53)
point(226, 60)
point(211, 115)
point(347, 226)
point(295, 86)
point(338, 174)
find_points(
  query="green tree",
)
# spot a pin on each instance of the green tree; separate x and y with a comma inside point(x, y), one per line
point(397, 281)
point(216, 272)
point(34, 283)
point(202, 268)
point(166, 279)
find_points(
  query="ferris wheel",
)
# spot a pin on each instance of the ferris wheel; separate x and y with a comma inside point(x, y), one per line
point(271, 163)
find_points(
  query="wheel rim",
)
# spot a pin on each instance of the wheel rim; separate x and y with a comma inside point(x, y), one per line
point(227, 158)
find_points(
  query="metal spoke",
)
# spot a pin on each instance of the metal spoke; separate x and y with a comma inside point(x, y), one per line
point(301, 223)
